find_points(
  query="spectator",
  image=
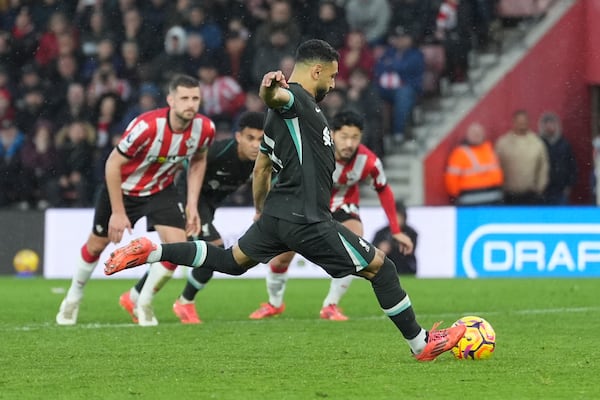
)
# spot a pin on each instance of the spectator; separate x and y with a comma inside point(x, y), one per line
point(363, 98)
point(371, 17)
point(24, 38)
point(356, 53)
point(105, 80)
point(524, 161)
point(405, 264)
point(105, 54)
point(279, 20)
point(563, 167)
point(95, 30)
point(237, 61)
point(47, 50)
point(330, 24)
point(30, 78)
point(107, 119)
point(196, 53)
point(39, 161)
point(65, 72)
point(155, 13)
point(454, 25)
point(222, 96)
point(199, 24)
point(172, 60)
point(134, 29)
point(30, 107)
point(7, 112)
point(413, 16)
point(75, 146)
point(473, 174)
point(11, 143)
point(133, 70)
point(399, 74)
point(74, 107)
point(268, 56)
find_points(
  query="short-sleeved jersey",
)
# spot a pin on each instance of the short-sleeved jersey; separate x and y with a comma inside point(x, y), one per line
point(362, 166)
point(298, 142)
point(155, 152)
point(225, 172)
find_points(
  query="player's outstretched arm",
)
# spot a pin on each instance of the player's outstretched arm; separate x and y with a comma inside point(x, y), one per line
point(272, 89)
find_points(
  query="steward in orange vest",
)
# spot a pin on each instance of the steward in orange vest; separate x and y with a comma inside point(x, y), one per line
point(473, 174)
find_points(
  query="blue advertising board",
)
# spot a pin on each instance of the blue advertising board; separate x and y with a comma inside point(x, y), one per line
point(509, 242)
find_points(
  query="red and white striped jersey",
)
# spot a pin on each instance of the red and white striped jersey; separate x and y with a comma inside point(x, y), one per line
point(155, 152)
point(347, 175)
point(223, 96)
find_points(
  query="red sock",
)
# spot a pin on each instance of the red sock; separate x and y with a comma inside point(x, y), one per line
point(87, 257)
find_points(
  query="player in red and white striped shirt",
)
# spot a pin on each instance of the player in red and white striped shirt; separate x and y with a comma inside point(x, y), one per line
point(355, 163)
point(139, 183)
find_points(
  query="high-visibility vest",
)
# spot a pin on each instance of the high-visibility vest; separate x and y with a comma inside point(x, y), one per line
point(473, 175)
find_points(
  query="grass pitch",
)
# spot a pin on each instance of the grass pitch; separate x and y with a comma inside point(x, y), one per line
point(547, 343)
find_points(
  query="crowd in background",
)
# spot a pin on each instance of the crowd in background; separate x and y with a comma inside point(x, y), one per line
point(73, 74)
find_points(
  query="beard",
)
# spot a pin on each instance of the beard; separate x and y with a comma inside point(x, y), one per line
point(320, 95)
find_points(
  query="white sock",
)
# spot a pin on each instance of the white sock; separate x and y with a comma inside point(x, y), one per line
point(417, 344)
point(134, 295)
point(276, 287)
point(82, 274)
point(337, 288)
point(158, 275)
point(155, 255)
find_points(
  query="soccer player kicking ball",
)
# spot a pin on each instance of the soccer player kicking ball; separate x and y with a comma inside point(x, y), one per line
point(355, 163)
point(294, 213)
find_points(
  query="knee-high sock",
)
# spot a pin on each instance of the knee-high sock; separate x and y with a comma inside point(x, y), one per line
point(276, 282)
point(397, 306)
point(83, 271)
point(198, 254)
point(158, 275)
point(337, 288)
point(197, 279)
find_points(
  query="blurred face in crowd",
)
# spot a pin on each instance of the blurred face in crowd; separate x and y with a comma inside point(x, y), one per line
point(280, 12)
point(184, 103)
point(76, 94)
point(550, 127)
point(195, 45)
point(346, 141)
point(248, 143)
point(77, 132)
point(208, 74)
point(521, 123)
point(475, 134)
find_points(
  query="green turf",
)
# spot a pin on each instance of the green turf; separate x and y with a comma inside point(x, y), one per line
point(547, 334)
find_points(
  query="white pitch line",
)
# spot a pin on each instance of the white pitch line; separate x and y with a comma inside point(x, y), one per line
point(47, 325)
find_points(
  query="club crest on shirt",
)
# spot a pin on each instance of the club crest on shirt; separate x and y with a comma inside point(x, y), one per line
point(326, 137)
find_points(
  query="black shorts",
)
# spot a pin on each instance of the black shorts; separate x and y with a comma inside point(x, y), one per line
point(346, 212)
point(328, 244)
point(208, 232)
point(162, 208)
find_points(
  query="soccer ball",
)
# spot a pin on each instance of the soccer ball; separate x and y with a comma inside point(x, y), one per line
point(26, 261)
point(479, 340)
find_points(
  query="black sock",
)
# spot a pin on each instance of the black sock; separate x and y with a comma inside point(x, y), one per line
point(198, 275)
point(201, 254)
point(394, 300)
point(140, 284)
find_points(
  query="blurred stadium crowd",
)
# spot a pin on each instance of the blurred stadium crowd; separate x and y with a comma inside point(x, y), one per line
point(73, 74)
